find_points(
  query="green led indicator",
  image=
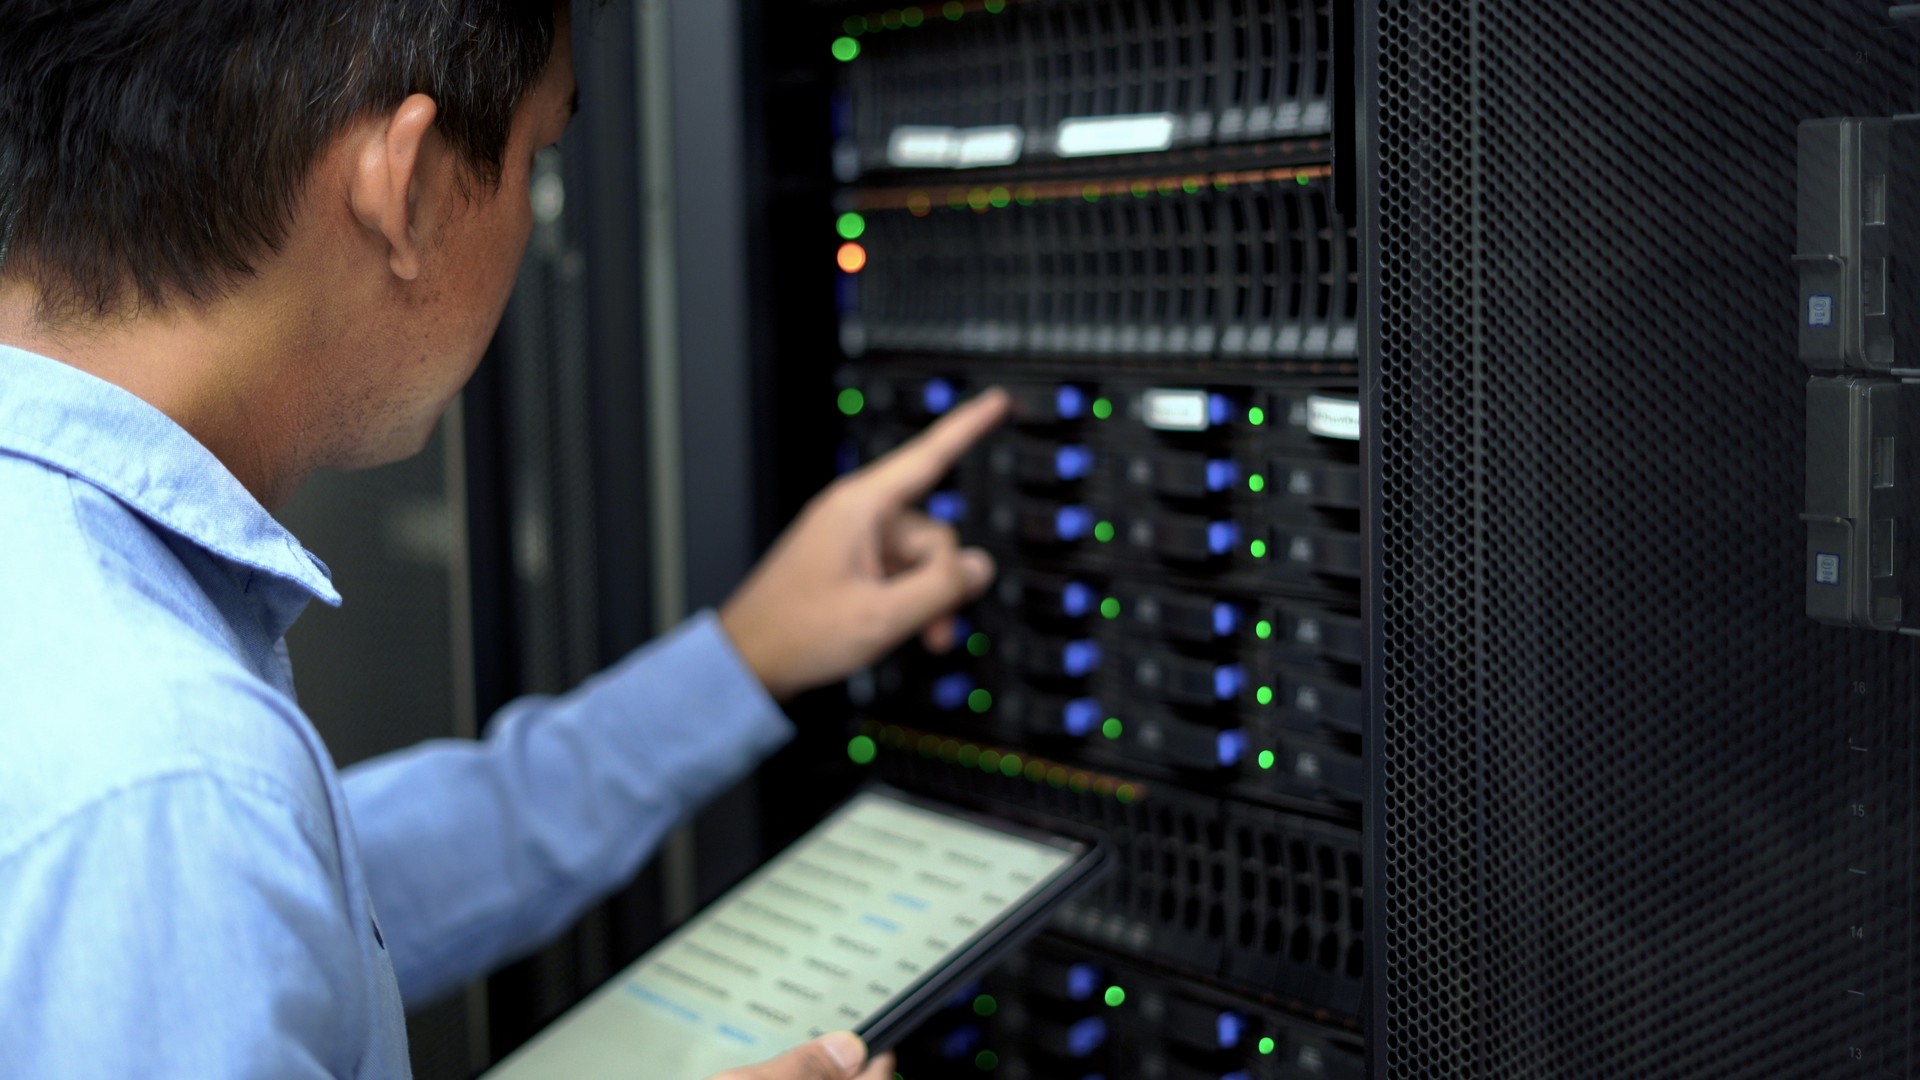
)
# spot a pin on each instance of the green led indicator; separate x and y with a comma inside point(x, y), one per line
point(953, 10)
point(995, 7)
point(913, 16)
point(845, 49)
point(861, 750)
point(1111, 728)
point(852, 401)
point(1103, 532)
point(1256, 483)
point(1110, 608)
point(1116, 997)
point(1303, 181)
point(1263, 629)
point(1266, 762)
point(851, 226)
point(977, 644)
point(979, 701)
point(1266, 1044)
point(1057, 777)
point(969, 756)
point(986, 1061)
point(1256, 416)
point(1264, 695)
point(1036, 771)
point(978, 199)
point(1091, 193)
point(1010, 765)
point(855, 24)
point(989, 760)
point(1124, 794)
point(999, 198)
point(984, 1005)
point(1258, 549)
point(1102, 408)
point(1191, 187)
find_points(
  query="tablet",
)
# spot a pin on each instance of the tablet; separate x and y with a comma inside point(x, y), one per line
point(867, 923)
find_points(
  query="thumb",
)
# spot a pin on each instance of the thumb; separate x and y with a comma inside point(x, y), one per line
point(946, 579)
point(838, 1056)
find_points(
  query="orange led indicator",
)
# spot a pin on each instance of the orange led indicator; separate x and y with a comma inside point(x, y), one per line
point(852, 258)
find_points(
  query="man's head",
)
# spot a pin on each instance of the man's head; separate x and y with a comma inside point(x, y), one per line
point(344, 180)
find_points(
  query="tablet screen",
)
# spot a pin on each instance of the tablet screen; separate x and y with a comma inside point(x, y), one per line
point(821, 939)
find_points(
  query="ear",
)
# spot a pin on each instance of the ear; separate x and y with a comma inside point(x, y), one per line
point(394, 167)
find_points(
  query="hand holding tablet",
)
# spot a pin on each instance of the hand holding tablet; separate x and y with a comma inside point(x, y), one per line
point(866, 924)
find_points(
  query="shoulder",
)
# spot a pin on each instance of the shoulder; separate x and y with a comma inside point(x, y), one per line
point(114, 674)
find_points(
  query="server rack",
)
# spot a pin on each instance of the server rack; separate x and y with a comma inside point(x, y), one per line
point(1512, 752)
point(1173, 652)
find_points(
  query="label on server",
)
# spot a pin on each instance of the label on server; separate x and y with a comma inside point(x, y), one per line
point(1174, 410)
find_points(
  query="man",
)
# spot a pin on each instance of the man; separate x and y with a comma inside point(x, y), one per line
point(242, 241)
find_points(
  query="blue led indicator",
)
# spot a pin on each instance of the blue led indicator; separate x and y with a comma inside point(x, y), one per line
point(1226, 619)
point(1081, 715)
point(1219, 409)
point(947, 506)
point(1086, 1036)
point(965, 995)
point(1229, 1027)
point(1227, 681)
point(1072, 462)
point(950, 691)
point(1080, 658)
point(1222, 537)
point(938, 396)
point(960, 1043)
point(1073, 522)
point(1076, 600)
point(1070, 402)
point(1221, 475)
point(1082, 981)
point(1231, 746)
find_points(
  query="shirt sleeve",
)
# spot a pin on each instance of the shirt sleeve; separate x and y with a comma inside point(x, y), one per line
point(479, 851)
point(184, 925)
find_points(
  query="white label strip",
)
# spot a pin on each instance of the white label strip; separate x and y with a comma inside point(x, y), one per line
point(1174, 410)
point(1333, 418)
point(1144, 133)
point(983, 146)
point(927, 147)
point(921, 148)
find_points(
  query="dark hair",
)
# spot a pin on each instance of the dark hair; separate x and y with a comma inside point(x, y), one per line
point(152, 150)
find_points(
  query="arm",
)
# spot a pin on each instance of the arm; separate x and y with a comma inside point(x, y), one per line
point(184, 925)
point(476, 852)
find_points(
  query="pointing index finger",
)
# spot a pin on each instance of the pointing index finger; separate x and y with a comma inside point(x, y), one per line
point(919, 463)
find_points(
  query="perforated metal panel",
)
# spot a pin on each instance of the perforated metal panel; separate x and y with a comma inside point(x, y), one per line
point(1641, 817)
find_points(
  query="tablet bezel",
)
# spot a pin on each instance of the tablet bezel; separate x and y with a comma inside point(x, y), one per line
point(928, 995)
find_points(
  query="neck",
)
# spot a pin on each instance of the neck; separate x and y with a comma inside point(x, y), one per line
point(228, 373)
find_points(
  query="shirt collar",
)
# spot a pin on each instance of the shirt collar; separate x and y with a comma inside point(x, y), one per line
point(89, 428)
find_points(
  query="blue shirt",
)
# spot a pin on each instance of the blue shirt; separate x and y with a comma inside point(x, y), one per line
point(188, 887)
